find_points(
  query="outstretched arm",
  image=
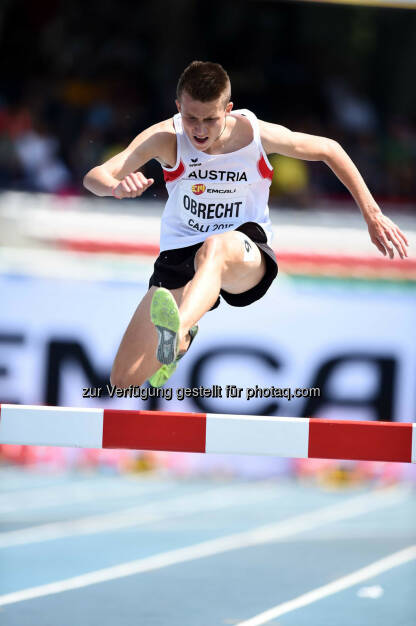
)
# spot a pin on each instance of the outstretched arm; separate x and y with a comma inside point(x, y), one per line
point(119, 177)
point(383, 232)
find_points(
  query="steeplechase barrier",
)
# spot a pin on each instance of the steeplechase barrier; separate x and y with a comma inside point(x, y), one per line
point(297, 437)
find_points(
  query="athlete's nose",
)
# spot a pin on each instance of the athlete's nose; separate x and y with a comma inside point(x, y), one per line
point(200, 131)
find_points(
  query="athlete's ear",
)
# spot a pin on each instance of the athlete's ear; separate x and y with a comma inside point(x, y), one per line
point(229, 107)
point(178, 105)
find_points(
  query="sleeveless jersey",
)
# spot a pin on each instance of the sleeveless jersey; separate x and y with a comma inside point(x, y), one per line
point(214, 193)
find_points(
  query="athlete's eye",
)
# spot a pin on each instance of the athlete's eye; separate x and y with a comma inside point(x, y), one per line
point(207, 119)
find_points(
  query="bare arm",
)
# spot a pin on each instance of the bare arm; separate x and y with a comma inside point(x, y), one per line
point(383, 232)
point(118, 176)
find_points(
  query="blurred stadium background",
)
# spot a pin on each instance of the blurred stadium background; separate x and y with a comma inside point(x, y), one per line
point(79, 82)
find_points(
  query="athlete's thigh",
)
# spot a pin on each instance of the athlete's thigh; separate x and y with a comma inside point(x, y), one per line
point(244, 266)
point(136, 359)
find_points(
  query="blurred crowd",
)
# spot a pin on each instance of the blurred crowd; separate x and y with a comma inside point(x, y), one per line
point(329, 473)
point(48, 143)
point(50, 138)
point(80, 84)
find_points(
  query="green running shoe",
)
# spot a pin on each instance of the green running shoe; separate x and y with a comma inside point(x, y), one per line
point(165, 372)
point(164, 314)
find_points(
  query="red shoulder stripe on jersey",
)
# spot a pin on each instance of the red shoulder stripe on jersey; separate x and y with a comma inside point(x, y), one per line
point(170, 176)
point(264, 169)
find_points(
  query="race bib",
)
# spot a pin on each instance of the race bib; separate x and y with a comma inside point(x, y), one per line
point(212, 207)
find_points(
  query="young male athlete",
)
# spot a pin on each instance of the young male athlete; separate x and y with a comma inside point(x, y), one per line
point(215, 230)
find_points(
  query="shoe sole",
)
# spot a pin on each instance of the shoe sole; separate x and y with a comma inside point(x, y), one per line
point(163, 374)
point(164, 314)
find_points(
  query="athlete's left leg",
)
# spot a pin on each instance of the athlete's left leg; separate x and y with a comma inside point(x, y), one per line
point(228, 261)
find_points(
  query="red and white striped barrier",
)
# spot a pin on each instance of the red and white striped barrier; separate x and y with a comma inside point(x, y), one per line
point(212, 433)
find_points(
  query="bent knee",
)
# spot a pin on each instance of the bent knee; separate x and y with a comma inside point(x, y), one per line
point(212, 249)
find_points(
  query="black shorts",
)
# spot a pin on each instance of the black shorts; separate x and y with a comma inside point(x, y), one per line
point(175, 268)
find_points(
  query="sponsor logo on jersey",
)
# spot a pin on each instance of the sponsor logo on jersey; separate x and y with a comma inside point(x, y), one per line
point(221, 190)
point(221, 175)
point(194, 163)
point(198, 188)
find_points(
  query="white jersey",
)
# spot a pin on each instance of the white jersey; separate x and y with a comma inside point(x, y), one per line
point(214, 193)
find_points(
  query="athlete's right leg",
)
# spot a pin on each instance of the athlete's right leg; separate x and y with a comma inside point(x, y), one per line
point(136, 360)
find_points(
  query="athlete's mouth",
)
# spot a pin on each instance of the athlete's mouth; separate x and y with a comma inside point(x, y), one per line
point(200, 139)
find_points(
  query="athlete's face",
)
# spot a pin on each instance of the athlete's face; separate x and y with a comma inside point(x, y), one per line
point(203, 122)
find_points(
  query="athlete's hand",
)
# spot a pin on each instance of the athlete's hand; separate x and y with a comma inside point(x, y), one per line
point(386, 236)
point(132, 186)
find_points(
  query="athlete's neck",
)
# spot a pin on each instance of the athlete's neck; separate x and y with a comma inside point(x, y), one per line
point(235, 135)
point(220, 144)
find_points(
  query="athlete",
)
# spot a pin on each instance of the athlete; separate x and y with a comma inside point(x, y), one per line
point(215, 229)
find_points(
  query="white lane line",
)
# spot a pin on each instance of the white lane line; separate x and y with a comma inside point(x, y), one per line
point(263, 534)
point(208, 500)
point(360, 575)
point(74, 493)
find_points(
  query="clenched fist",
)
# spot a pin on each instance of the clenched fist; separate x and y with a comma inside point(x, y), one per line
point(132, 186)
